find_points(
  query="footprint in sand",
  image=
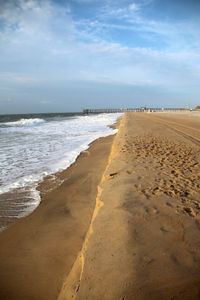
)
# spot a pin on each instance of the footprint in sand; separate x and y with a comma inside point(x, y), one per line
point(189, 211)
point(169, 204)
point(156, 190)
point(129, 172)
point(163, 229)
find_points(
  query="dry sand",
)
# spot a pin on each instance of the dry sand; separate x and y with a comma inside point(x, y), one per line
point(140, 240)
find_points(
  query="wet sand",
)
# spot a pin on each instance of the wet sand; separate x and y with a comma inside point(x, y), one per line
point(125, 225)
point(38, 251)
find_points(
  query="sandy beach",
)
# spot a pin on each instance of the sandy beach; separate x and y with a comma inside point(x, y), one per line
point(38, 251)
point(124, 224)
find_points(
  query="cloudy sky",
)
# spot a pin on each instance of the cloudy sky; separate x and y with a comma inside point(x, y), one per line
point(66, 55)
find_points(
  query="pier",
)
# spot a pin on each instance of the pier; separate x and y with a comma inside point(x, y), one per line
point(122, 110)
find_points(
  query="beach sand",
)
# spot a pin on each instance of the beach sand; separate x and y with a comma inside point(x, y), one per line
point(129, 229)
point(38, 251)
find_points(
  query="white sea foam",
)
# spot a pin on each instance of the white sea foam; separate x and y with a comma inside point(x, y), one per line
point(33, 148)
point(25, 122)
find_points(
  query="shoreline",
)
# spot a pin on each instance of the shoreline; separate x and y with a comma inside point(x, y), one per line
point(124, 224)
point(21, 202)
point(54, 231)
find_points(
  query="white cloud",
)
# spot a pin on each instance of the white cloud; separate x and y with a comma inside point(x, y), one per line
point(34, 19)
point(134, 7)
point(50, 46)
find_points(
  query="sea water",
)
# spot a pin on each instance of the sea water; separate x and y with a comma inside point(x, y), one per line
point(34, 146)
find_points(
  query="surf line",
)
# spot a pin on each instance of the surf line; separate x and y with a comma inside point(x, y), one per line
point(72, 282)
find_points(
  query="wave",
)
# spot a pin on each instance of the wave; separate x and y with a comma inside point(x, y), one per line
point(25, 122)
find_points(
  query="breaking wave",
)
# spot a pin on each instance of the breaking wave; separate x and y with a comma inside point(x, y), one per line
point(25, 122)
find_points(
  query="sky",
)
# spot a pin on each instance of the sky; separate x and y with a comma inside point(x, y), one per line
point(66, 55)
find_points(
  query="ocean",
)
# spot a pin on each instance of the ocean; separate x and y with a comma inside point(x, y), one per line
point(34, 146)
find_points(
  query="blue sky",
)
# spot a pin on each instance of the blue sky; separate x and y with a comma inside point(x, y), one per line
point(67, 55)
